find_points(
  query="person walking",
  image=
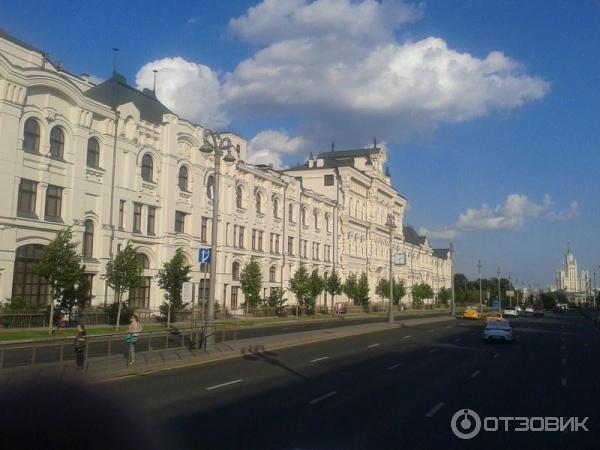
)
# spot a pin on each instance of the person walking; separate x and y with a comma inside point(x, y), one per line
point(134, 330)
point(80, 345)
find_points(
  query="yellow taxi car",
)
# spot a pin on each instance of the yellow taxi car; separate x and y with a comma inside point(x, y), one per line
point(471, 313)
point(494, 317)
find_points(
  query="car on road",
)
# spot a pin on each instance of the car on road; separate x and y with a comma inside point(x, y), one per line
point(511, 312)
point(498, 331)
point(519, 309)
point(539, 312)
point(494, 317)
point(471, 313)
point(529, 310)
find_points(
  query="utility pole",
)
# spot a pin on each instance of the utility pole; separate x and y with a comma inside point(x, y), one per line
point(595, 302)
point(480, 291)
point(451, 277)
point(391, 224)
point(499, 296)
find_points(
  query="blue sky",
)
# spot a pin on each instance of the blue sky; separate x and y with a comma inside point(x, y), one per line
point(486, 108)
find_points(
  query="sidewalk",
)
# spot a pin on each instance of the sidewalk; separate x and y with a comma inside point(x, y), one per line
point(105, 369)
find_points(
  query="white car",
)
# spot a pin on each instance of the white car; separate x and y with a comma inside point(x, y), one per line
point(511, 312)
point(498, 331)
point(529, 310)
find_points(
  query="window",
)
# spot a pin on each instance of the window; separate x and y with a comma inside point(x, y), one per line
point(316, 219)
point(57, 143)
point(241, 237)
point(258, 203)
point(140, 296)
point(121, 214)
point(260, 241)
point(239, 197)
point(277, 243)
point(53, 202)
point(179, 222)
point(328, 180)
point(88, 239)
point(290, 248)
point(183, 178)
point(291, 213)
point(26, 201)
point(234, 297)
point(151, 220)
point(210, 187)
point(204, 229)
point(235, 271)
point(147, 168)
point(303, 216)
point(26, 283)
point(271, 242)
point(327, 222)
point(31, 136)
point(253, 239)
point(273, 274)
point(93, 153)
point(276, 208)
point(137, 218)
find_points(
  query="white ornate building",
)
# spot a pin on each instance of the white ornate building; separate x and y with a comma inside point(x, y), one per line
point(568, 279)
point(119, 167)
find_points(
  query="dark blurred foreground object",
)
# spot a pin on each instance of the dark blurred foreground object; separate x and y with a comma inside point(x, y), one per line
point(69, 415)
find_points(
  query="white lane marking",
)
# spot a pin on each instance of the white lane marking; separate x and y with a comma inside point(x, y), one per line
point(431, 331)
point(564, 360)
point(457, 340)
point(496, 355)
point(473, 333)
point(433, 350)
point(563, 347)
point(449, 326)
point(474, 374)
point(322, 358)
point(395, 366)
point(407, 337)
point(372, 345)
point(435, 409)
point(563, 382)
point(210, 388)
point(322, 397)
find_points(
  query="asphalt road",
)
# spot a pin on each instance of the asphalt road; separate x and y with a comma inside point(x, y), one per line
point(392, 389)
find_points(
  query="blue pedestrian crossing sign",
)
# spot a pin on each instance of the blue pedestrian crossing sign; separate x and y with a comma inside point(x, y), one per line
point(204, 255)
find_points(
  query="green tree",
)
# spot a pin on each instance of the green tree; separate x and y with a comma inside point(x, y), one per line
point(350, 287)
point(123, 273)
point(60, 266)
point(300, 285)
point(333, 286)
point(251, 279)
point(420, 292)
point(383, 289)
point(444, 296)
point(317, 285)
point(275, 301)
point(362, 292)
point(171, 278)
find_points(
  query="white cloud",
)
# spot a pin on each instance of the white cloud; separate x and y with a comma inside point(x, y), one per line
point(191, 90)
point(446, 234)
point(269, 146)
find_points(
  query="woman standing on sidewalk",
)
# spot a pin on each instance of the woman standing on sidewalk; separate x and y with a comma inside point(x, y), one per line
point(134, 330)
point(80, 344)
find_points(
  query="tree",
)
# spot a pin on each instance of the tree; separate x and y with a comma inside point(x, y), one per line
point(60, 266)
point(316, 286)
point(123, 273)
point(383, 289)
point(251, 282)
point(171, 278)
point(275, 301)
point(333, 286)
point(350, 287)
point(444, 295)
point(300, 285)
point(420, 292)
point(362, 291)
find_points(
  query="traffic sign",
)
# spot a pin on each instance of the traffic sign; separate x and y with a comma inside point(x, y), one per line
point(204, 255)
point(186, 292)
point(495, 304)
point(510, 293)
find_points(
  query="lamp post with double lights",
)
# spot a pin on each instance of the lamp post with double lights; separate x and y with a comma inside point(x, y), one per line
point(452, 278)
point(391, 224)
point(480, 291)
point(215, 144)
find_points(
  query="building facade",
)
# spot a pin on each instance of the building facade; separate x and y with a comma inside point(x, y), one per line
point(119, 167)
point(569, 280)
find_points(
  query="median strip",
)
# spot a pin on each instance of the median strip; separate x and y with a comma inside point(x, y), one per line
point(322, 397)
point(434, 410)
point(224, 384)
point(319, 359)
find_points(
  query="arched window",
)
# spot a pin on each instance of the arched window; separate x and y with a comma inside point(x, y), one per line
point(235, 271)
point(147, 168)
point(290, 213)
point(239, 197)
point(88, 239)
point(273, 274)
point(26, 283)
point(258, 203)
point(57, 143)
point(183, 178)
point(31, 136)
point(276, 208)
point(210, 187)
point(143, 260)
point(316, 219)
point(140, 296)
point(93, 153)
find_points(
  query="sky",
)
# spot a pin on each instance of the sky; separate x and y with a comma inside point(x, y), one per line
point(488, 110)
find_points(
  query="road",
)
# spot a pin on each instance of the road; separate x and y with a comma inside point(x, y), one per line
point(392, 389)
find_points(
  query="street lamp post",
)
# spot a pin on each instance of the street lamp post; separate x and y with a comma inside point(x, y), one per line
point(452, 278)
point(499, 296)
point(480, 292)
point(214, 143)
point(391, 223)
point(595, 302)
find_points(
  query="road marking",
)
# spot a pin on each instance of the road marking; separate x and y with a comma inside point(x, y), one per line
point(322, 358)
point(407, 337)
point(496, 355)
point(372, 345)
point(564, 360)
point(223, 385)
point(563, 382)
point(474, 374)
point(473, 333)
point(322, 397)
point(431, 331)
point(563, 347)
point(457, 340)
point(395, 366)
point(435, 409)
point(449, 326)
point(433, 350)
